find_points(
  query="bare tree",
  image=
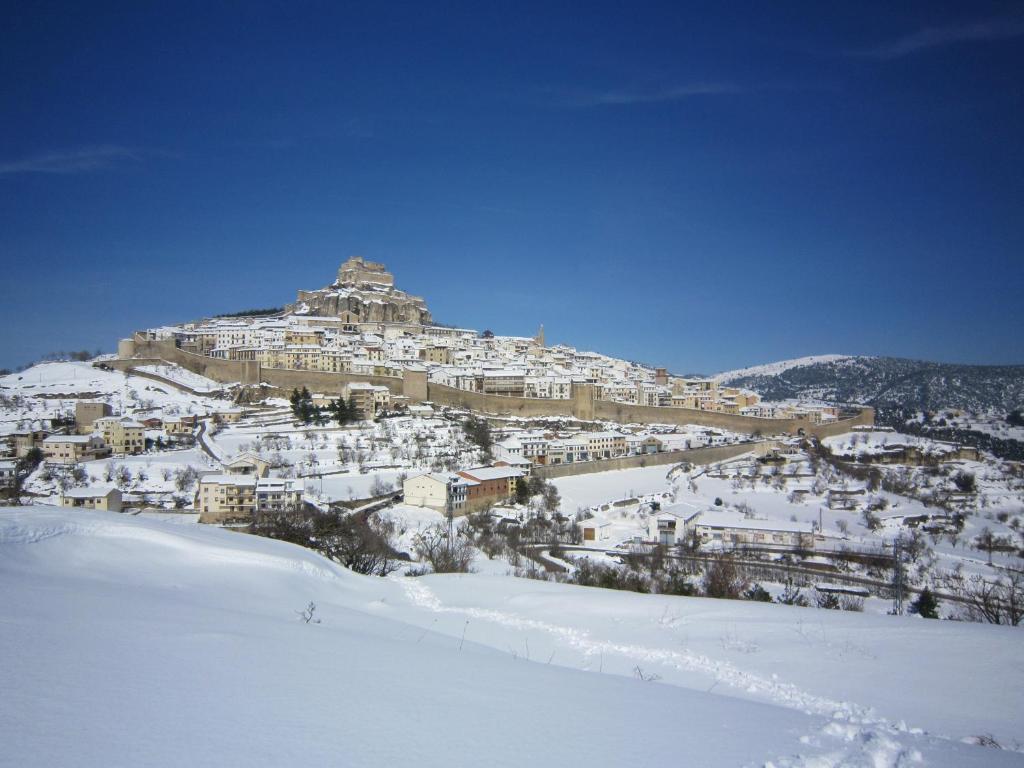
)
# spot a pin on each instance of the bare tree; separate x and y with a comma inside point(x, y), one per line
point(445, 554)
point(996, 601)
point(723, 579)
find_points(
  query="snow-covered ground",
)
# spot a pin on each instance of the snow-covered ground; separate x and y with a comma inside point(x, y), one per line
point(49, 390)
point(874, 442)
point(601, 487)
point(131, 641)
point(183, 376)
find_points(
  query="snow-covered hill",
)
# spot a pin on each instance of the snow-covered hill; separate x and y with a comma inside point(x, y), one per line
point(886, 382)
point(774, 369)
point(135, 642)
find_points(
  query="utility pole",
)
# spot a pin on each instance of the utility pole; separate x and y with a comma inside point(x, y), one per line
point(449, 512)
point(897, 569)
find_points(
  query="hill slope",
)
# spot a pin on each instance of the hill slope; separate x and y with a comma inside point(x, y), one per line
point(887, 382)
point(135, 642)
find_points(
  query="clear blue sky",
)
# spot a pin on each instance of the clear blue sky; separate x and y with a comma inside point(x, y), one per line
point(699, 185)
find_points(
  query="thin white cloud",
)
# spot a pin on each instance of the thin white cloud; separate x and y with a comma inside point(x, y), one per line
point(935, 37)
point(83, 160)
point(675, 93)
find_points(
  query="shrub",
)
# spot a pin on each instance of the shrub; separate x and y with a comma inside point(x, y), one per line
point(851, 603)
point(722, 579)
point(362, 543)
point(792, 596)
point(445, 555)
point(758, 594)
point(828, 600)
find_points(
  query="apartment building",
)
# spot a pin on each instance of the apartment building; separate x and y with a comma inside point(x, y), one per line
point(604, 445)
point(71, 449)
point(535, 447)
point(122, 435)
point(567, 451)
point(274, 494)
point(226, 498)
point(368, 398)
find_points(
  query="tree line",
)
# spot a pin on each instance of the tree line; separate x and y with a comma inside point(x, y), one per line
point(340, 411)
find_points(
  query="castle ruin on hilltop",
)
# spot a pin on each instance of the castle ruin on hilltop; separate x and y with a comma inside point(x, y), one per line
point(363, 293)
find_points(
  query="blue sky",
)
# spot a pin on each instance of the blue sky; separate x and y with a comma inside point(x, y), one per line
point(698, 185)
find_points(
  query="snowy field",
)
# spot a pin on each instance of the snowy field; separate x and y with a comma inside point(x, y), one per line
point(184, 376)
point(130, 641)
point(601, 487)
point(47, 390)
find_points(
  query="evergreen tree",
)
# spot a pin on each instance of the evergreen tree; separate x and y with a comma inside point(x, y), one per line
point(926, 605)
point(339, 411)
point(522, 492)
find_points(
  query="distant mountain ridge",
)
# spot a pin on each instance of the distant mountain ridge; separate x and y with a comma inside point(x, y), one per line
point(886, 382)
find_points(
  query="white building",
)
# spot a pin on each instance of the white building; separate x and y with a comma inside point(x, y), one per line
point(720, 528)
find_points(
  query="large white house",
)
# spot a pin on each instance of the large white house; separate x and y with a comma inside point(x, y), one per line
point(436, 490)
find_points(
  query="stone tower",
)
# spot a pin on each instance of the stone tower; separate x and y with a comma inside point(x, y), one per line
point(539, 338)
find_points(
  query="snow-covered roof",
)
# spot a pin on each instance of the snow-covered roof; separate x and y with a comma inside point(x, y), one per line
point(95, 492)
point(274, 484)
point(246, 480)
point(735, 520)
point(492, 473)
point(446, 477)
point(77, 439)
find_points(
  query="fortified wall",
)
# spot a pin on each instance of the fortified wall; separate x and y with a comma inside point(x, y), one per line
point(414, 385)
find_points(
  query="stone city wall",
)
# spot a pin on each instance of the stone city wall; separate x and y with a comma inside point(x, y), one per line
point(415, 386)
point(440, 394)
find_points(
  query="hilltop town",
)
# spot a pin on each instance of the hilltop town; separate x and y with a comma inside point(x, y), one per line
point(421, 446)
point(362, 326)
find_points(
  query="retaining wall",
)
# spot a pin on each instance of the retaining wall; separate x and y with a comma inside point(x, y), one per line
point(707, 455)
point(326, 383)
